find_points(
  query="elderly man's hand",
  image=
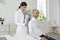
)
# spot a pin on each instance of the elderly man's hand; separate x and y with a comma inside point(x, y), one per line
point(43, 38)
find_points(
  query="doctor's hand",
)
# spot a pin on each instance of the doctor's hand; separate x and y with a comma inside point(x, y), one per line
point(26, 24)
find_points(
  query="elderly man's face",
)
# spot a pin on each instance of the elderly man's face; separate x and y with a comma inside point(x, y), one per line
point(36, 13)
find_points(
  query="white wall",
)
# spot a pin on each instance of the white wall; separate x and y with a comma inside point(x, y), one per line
point(8, 10)
point(54, 11)
point(59, 13)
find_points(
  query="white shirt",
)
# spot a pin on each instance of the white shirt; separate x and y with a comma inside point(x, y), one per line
point(34, 29)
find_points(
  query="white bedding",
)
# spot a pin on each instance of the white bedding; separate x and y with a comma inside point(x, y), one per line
point(8, 37)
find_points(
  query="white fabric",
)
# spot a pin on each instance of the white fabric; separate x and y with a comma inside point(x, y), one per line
point(19, 18)
point(21, 32)
point(34, 29)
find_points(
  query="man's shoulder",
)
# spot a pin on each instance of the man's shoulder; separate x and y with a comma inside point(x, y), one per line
point(31, 21)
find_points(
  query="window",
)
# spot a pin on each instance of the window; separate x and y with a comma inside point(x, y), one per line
point(41, 6)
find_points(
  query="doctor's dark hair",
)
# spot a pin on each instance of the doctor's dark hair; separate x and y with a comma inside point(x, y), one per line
point(23, 4)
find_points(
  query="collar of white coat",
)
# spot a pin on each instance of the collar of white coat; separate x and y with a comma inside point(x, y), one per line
point(33, 18)
point(19, 10)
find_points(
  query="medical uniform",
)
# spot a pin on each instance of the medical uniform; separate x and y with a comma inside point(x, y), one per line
point(21, 31)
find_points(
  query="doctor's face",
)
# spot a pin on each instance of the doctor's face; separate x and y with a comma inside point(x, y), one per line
point(23, 7)
point(36, 13)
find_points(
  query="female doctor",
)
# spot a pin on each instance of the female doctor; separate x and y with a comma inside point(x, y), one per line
point(20, 21)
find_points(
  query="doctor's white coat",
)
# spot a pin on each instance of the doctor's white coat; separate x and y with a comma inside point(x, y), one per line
point(21, 31)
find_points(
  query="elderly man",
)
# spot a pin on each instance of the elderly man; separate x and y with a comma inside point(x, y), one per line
point(34, 29)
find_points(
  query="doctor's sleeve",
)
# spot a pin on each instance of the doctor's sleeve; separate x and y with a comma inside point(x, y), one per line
point(31, 31)
point(17, 20)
